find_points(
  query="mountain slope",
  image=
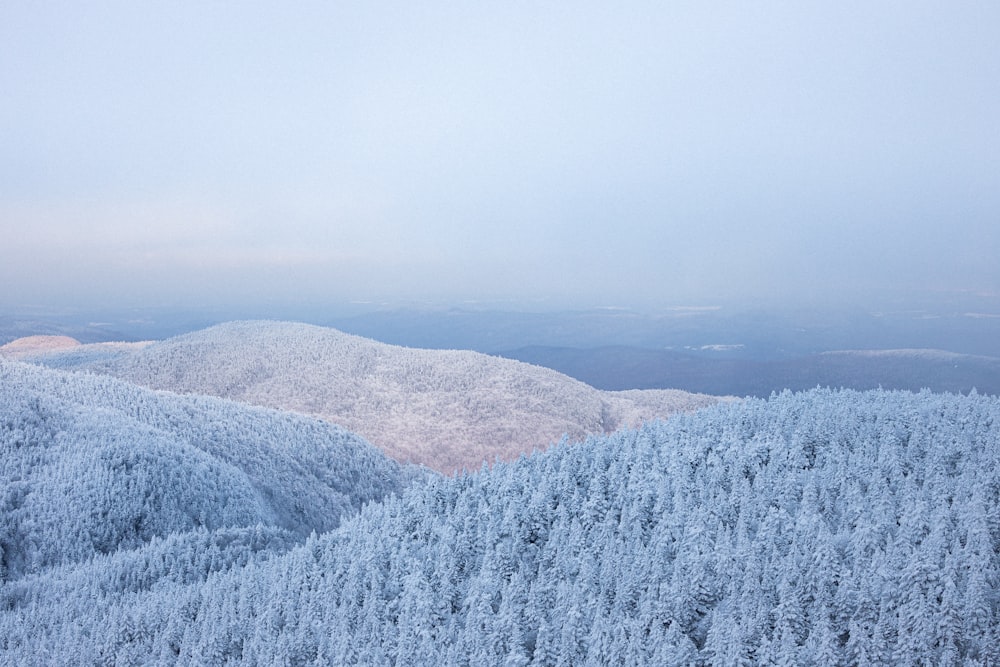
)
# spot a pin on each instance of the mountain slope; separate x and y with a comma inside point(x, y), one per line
point(826, 528)
point(91, 465)
point(445, 409)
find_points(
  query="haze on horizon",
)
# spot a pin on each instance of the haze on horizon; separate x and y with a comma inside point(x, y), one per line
point(584, 153)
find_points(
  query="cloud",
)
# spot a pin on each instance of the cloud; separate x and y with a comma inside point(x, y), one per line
point(648, 152)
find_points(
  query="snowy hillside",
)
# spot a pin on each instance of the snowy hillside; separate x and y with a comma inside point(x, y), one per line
point(90, 465)
point(823, 528)
point(445, 409)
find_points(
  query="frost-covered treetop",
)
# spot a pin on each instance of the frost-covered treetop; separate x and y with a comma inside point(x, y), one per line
point(90, 464)
point(821, 528)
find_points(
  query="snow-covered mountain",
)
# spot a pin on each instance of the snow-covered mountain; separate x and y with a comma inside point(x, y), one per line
point(822, 528)
point(90, 465)
point(445, 409)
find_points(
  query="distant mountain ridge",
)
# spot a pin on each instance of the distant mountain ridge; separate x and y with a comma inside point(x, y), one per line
point(448, 409)
point(615, 367)
point(65, 351)
point(39, 344)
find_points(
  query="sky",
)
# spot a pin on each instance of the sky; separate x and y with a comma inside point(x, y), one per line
point(593, 154)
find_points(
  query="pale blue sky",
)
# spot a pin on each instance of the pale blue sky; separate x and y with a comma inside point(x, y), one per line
point(586, 153)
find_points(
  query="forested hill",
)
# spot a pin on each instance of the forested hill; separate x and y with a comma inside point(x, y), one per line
point(822, 528)
point(445, 409)
point(92, 465)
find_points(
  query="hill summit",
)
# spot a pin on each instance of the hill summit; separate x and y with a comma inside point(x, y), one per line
point(447, 409)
